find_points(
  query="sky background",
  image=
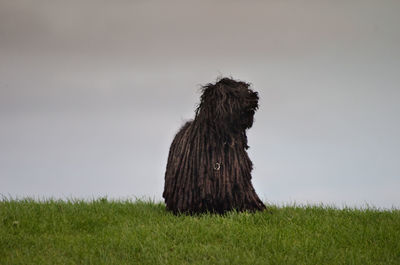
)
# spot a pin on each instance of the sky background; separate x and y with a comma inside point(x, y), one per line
point(93, 92)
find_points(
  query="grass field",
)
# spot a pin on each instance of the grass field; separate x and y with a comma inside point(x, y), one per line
point(109, 232)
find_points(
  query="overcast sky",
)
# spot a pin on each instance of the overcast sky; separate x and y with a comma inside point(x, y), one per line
point(92, 93)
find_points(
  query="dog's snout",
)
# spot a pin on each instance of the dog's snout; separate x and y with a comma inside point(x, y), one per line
point(252, 99)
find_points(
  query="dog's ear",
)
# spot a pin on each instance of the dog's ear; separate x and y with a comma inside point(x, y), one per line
point(219, 106)
point(208, 102)
point(227, 107)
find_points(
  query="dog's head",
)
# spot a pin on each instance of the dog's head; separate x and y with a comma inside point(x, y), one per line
point(229, 104)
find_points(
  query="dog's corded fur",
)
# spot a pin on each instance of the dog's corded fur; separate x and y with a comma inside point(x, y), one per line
point(208, 168)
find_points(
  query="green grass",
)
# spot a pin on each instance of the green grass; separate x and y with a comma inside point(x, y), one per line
point(109, 232)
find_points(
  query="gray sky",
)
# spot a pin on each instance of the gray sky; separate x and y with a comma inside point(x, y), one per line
point(92, 93)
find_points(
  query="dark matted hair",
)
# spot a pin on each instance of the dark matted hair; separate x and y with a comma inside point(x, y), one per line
point(208, 167)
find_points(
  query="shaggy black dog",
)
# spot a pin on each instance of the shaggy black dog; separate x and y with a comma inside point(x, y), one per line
point(208, 168)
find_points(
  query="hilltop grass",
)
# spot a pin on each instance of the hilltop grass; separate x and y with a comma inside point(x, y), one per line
point(110, 232)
